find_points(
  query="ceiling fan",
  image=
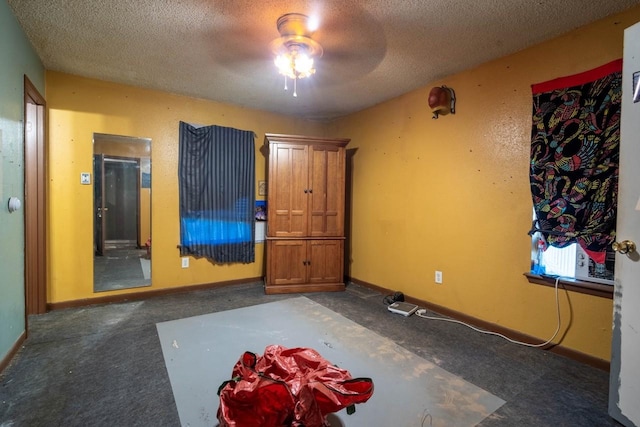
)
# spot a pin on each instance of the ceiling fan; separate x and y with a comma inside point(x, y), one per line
point(295, 50)
point(345, 44)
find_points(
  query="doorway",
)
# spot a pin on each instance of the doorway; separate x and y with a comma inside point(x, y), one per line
point(117, 199)
point(35, 202)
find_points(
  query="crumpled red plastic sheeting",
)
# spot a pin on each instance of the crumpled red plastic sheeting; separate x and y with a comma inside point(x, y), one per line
point(287, 387)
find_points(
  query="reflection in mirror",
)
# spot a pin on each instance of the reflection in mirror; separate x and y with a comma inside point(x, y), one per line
point(122, 212)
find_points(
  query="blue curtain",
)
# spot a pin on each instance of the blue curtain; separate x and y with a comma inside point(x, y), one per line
point(216, 174)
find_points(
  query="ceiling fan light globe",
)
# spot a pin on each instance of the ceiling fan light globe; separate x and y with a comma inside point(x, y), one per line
point(282, 62)
point(304, 65)
point(285, 65)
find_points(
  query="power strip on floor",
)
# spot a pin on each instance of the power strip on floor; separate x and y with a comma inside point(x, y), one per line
point(403, 308)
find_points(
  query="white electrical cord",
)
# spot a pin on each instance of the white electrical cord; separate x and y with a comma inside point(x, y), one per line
point(421, 313)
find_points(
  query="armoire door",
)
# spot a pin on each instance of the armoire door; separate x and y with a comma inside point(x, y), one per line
point(326, 191)
point(325, 261)
point(288, 191)
point(287, 262)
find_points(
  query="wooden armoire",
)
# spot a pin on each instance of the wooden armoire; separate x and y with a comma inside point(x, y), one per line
point(305, 213)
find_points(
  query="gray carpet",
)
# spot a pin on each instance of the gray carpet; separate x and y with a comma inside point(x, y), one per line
point(103, 366)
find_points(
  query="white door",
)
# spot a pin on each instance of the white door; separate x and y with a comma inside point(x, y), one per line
point(624, 389)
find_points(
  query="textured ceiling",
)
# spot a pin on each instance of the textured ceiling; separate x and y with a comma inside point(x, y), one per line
point(374, 50)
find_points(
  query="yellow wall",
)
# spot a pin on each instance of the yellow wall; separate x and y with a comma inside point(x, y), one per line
point(78, 107)
point(452, 194)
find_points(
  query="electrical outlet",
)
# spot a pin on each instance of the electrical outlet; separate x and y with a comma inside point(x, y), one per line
point(185, 262)
point(438, 276)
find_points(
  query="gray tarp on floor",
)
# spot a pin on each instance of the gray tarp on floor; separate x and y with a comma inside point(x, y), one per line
point(200, 352)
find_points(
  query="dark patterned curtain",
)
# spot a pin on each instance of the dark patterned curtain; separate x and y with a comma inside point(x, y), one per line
point(574, 158)
point(216, 174)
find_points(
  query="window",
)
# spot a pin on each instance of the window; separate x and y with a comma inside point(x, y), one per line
point(574, 173)
point(569, 262)
point(216, 174)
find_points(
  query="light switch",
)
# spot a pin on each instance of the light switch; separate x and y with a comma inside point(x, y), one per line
point(85, 178)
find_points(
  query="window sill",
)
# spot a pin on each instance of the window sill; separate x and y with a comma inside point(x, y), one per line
point(574, 285)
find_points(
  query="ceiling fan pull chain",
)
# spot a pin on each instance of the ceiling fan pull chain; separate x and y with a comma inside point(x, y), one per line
point(285, 83)
point(295, 87)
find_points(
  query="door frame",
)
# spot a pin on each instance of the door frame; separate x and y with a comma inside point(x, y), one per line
point(35, 198)
point(98, 205)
